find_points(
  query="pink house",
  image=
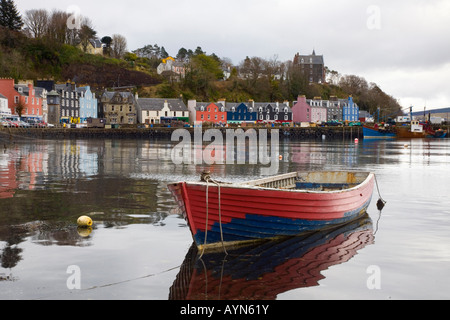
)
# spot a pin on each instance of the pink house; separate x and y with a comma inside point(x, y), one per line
point(301, 111)
point(309, 111)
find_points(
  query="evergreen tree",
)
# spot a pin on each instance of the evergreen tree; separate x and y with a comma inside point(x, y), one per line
point(9, 15)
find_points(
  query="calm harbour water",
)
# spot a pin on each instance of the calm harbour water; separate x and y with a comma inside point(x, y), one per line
point(139, 241)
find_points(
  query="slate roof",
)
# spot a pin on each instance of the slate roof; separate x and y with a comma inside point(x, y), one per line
point(156, 104)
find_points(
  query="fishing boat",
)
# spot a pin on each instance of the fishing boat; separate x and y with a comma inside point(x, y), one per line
point(377, 133)
point(284, 205)
point(415, 130)
point(439, 134)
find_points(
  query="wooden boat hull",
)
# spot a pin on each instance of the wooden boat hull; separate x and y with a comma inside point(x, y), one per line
point(372, 133)
point(263, 270)
point(250, 212)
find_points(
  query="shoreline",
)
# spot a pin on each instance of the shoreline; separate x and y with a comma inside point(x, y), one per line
point(166, 133)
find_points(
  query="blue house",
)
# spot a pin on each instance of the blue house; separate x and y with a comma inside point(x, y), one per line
point(350, 111)
point(88, 104)
point(238, 113)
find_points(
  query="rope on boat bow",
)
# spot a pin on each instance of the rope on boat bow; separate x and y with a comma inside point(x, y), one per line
point(206, 177)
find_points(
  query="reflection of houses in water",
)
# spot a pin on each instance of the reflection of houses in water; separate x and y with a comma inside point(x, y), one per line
point(22, 168)
point(72, 159)
point(8, 183)
point(263, 271)
point(324, 154)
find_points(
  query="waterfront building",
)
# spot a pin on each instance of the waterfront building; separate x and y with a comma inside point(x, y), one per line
point(312, 66)
point(334, 109)
point(240, 113)
point(318, 109)
point(211, 112)
point(4, 110)
point(273, 112)
point(70, 103)
point(350, 111)
point(54, 107)
point(311, 110)
point(159, 110)
point(22, 98)
point(118, 107)
point(88, 104)
point(301, 111)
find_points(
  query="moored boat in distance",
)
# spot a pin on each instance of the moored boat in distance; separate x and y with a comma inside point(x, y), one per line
point(377, 133)
point(284, 205)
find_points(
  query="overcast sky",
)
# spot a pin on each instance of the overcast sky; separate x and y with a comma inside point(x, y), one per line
point(402, 45)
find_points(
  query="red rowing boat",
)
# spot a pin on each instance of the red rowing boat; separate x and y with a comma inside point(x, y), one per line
point(284, 205)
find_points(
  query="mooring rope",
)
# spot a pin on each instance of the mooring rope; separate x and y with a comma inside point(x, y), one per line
point(208, 179)
point(380, 202)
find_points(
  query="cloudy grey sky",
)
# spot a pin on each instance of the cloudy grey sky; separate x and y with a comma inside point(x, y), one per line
point(402, 45)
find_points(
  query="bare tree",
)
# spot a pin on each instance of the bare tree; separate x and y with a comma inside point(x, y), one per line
point(119, 46)
point(36, 22)
point(57, 27)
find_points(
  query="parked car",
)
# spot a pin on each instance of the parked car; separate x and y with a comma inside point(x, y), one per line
point(333, 123)
point(23, 124)
point(5, 123)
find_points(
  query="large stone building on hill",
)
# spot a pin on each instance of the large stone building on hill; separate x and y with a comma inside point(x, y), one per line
point(312, 66)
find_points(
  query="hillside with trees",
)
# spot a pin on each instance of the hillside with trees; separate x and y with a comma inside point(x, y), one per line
point(39, 44)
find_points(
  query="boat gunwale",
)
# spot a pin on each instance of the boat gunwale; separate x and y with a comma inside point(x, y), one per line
point(243, 185)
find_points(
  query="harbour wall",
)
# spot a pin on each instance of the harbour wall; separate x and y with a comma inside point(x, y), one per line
point(166, 133)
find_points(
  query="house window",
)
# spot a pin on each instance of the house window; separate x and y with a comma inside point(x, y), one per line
point(16, 99)
point(165, 114)
point(286, 117)
point(202, 117)
point(275, 117)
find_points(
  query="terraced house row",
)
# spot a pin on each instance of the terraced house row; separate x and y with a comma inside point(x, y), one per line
point(69, 103)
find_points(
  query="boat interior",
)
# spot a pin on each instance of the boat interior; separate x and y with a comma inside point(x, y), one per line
point(316, 181)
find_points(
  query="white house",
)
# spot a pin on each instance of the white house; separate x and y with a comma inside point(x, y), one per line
point(4, 110)
point(157, 110)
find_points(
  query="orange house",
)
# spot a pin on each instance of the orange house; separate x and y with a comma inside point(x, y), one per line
point(212, 112)
point(23, 93)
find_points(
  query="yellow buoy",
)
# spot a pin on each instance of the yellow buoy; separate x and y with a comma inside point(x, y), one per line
point(84, 222)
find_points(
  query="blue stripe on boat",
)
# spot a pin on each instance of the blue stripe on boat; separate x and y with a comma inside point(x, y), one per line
point(262, 227)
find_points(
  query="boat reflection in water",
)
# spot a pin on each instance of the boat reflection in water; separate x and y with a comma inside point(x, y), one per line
point(264, 270)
